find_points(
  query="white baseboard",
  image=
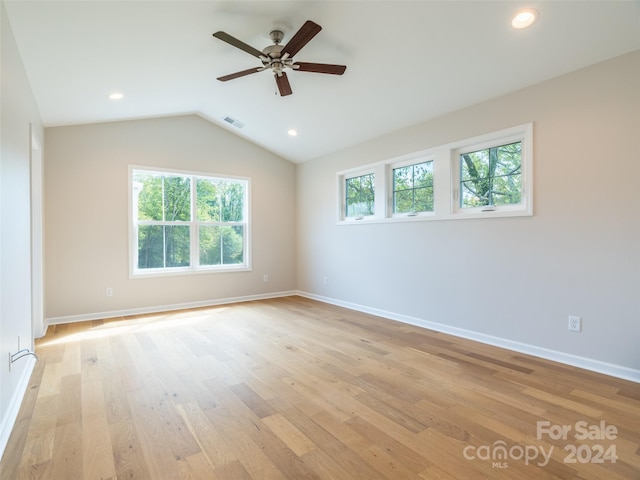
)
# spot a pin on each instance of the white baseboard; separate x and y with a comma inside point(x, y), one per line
point(162, 308)
point(9, 419)
point(593, 365)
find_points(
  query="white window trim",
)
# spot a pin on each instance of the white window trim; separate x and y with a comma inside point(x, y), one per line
point(194, 269)
point(522, 133)
point(446, 182)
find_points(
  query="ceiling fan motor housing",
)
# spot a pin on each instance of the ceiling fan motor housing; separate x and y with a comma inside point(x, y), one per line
point(273, 51)
point(273, 56)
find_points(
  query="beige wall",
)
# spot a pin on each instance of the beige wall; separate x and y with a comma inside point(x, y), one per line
point(509, 280)
point(86, 212)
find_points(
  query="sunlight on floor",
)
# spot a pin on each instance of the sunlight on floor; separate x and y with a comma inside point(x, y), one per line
point(146, 323)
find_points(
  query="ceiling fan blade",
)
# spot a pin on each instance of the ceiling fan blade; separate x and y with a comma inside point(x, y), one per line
point(284, 87)
point(231, 76)
point(301, 38)
point(319, 68)
point(225, 37)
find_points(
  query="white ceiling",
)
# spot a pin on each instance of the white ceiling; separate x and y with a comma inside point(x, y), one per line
point(407, 62)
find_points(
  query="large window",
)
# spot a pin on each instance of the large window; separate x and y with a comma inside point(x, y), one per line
point(184, 222)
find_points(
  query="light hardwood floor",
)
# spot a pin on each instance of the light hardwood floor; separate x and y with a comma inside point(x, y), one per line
point(296, 389)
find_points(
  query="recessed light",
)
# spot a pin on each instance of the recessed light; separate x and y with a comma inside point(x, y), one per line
point(292, 132)
point(116, 96)
point(524, 18)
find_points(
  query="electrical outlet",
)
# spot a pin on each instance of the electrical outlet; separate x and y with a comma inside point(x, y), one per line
point(575, 323)
point(109, 292)
point(326, 280)
point(265, 278)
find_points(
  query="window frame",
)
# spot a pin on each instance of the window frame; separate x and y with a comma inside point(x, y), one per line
point(193, 224)
point(523, 134)
point(446, 180)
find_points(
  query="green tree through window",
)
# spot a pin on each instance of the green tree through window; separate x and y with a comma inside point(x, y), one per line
point(491, 176)
point(169, 215)
point(220, 215)
point(164, 206)
point(413, 188)
point(360, 195)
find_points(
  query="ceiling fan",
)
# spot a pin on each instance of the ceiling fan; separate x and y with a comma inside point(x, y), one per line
point(278, 57)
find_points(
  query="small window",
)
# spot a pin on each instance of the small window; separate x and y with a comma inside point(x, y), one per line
point(359, 196)
point(413, 188)
point(491, 176)
point(487, 176)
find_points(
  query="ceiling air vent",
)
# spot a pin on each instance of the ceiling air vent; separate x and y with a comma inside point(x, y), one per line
point(233, 122)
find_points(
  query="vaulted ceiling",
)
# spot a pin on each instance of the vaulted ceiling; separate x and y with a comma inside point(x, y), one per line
point(407, 62)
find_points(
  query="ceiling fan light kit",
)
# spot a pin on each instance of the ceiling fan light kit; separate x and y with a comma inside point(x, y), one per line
point(279, 57)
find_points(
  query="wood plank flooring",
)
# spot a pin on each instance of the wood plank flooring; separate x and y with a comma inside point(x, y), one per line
point(295, 389)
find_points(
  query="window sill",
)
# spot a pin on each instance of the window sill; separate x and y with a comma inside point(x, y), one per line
point(431, 217)
point(151, 273)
